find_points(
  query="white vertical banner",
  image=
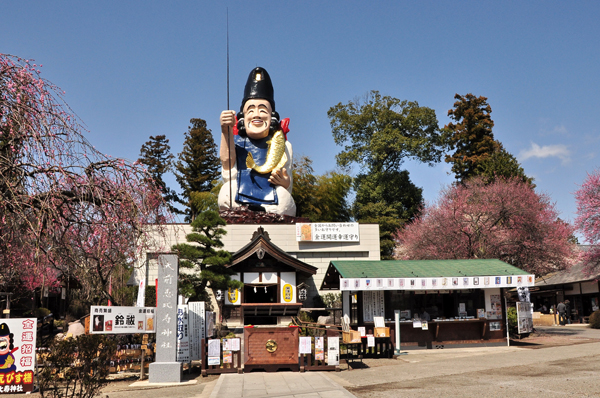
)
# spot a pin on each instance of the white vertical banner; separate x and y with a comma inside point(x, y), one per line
point(183, 336)
point(141, 297)
point(197, 328)
point(333, 351)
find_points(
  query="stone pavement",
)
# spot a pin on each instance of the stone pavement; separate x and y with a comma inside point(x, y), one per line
point(278, 385)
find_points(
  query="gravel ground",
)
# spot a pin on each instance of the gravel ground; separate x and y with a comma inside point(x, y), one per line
point(554, 362)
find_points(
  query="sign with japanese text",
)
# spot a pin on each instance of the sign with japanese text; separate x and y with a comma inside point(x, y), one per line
point(166, 308)
point(197, 325)
point(327, 232)
point(441, 283)
point(17, 355)
point(183, 337)
point(121, 320)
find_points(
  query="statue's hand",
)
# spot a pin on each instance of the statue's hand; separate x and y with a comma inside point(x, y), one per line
point(280, 177)
point(227, 118)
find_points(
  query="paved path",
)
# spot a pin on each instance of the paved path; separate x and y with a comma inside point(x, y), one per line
point(278, 385)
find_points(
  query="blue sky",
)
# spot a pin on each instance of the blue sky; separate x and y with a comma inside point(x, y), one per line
point(132, 69)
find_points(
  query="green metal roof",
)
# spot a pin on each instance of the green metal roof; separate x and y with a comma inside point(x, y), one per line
point(424, 268)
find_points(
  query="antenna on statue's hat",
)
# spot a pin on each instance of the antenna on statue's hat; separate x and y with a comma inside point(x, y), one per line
point(259, 86)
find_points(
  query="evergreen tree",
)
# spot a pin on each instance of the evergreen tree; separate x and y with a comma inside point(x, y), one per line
point(389, 199)
point(471, 137)
point(379, 134)
point(204, 257)
point(321, 198)
point(156, 155)
point(198, 164)
point(502, 164)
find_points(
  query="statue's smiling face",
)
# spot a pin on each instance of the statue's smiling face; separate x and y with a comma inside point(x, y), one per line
point(257, 118)
point(4, 345)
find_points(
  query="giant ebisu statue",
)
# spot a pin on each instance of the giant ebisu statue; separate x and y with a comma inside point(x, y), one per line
point(256, 157)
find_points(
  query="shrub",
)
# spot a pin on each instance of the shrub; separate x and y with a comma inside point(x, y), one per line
point(595, 320)
point(513, 327)
point(77, 367)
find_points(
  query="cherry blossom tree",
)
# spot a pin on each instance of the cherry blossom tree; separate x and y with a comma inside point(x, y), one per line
point(65, 208)
point(505, 219)
point(588, 219)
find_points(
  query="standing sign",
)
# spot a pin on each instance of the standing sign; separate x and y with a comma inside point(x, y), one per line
point(197, 329)
point(166, 369)
point(121, 320)
point(183, 338)
point(524, 317)
point(333, 351)
point(17, 355)
point(305, 345)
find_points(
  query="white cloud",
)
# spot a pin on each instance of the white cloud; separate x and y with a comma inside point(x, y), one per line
point(546, 151)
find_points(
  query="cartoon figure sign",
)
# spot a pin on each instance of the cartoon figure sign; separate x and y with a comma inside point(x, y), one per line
point(17, 354)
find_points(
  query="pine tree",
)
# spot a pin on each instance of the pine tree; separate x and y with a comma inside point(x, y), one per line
point(156, 155)
point(472, 136)
point(198, 164)
point(203, 255)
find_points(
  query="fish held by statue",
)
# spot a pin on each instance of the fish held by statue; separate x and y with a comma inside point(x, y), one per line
point(276, 156)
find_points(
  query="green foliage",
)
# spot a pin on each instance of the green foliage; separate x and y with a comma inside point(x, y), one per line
point(379, 134)
point(198, 164)
point(156, 155)
point(42, 312)
point(501, 164)
point(203, 201)
point(389, 199)
point(320, 198)
point(202, 254)
point(594, 321)
point(513, 326)
point(150, 296)
point(332, 300)
point(77, 367)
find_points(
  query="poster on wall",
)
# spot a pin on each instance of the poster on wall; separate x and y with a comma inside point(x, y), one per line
point(121, 320)
point(17, 355)
point(495, 326)
point(495, 307)
point(524, 317)
point(305, 345)
point(319, 348)
point(327, 232)
point(373, 305)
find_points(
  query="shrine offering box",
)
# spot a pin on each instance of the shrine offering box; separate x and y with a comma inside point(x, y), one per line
point(382, 332)
point(350, 337)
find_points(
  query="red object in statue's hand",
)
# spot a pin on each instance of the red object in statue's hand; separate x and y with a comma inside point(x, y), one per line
point(235, 130)
point(285, 123)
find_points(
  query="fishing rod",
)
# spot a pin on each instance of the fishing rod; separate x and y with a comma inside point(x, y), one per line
point(229, 127)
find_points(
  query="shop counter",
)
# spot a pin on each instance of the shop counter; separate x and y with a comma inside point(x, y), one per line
point(440, 332)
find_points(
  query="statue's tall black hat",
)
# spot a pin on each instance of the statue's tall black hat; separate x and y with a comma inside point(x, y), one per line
point(259, 86)
point(4, 330)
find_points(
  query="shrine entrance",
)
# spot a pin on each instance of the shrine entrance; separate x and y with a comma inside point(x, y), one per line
point(270, 295)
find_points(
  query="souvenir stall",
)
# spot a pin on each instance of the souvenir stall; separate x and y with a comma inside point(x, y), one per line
point(439, 301)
